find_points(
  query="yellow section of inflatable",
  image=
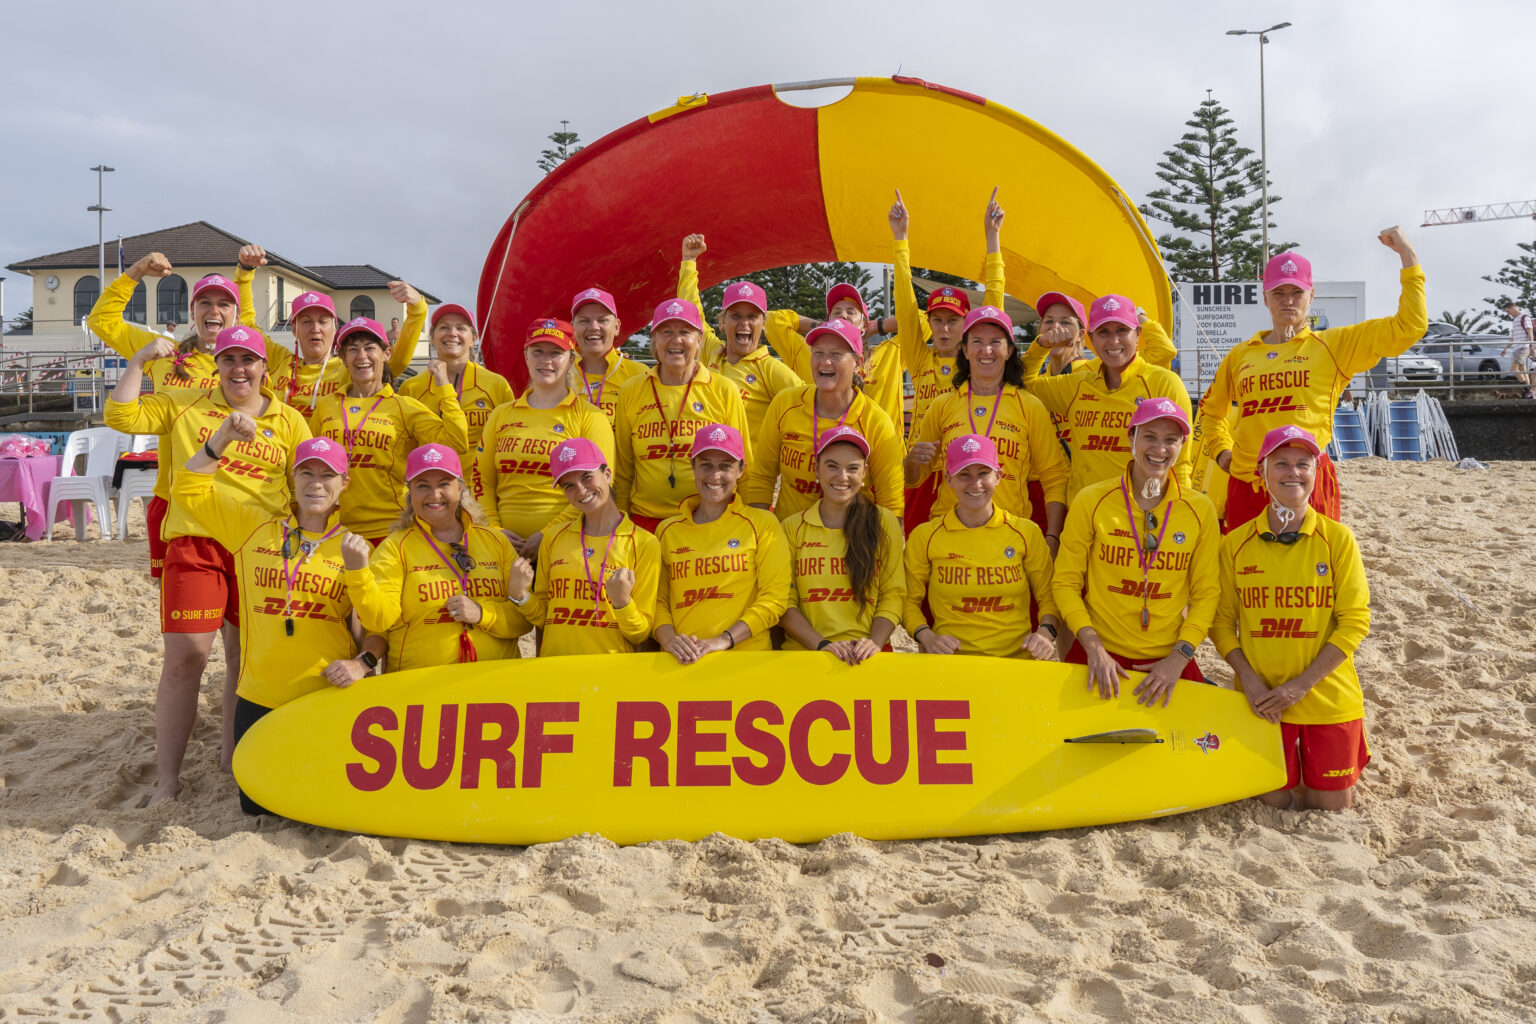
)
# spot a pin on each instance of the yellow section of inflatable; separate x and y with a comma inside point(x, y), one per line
point(1067, 229)
point(794, 745)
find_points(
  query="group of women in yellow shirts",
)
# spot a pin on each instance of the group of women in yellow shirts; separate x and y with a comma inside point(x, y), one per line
point(728, 499)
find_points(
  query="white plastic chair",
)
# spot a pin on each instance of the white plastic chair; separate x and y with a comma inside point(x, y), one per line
point(137, 483)
point(101, 446)
point(145, 443)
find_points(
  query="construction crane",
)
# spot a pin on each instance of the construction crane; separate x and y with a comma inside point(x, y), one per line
point(1474, 214)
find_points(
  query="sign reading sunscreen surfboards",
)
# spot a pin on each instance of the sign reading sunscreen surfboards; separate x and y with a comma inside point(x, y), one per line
point(789, 744)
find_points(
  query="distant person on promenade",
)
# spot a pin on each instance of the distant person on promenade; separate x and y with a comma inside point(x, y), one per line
point(1522, 338)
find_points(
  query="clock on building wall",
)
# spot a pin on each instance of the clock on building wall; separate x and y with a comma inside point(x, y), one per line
point(51, 282)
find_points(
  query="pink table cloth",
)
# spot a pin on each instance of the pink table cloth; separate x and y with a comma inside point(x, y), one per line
point(26, 481)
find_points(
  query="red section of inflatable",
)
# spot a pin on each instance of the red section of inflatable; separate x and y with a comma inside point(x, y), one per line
point(742, 168)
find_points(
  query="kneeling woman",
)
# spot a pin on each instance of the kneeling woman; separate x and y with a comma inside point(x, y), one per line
point(725, 564)
point(292, 562)
point(437, 586)
point(596, 587)
point(978, 567)
point(1136, 574)
point(1302, 675)
point(846, 555)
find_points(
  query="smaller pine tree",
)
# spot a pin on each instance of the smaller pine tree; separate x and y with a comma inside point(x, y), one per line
point(1518, 277)
point(565, 147)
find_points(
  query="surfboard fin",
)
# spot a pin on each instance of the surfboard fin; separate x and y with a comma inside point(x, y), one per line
point(1117, 736)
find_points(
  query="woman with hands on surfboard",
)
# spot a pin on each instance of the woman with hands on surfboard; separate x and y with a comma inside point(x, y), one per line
point(1294, 606)
point(437, 586)
point(595, 592)
point(297, 632)
point(847, 590)
point(1136, 573)
point(977, 567)
point(726, 564)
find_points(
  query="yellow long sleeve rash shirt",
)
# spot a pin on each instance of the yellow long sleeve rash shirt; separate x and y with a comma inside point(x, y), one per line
point(1282, 602)
point(602, 389)
point(653, 431)
point(978, 581)
point(821, 589)
point(512, 464)
point(478, 390)
point(882, 371)
point(735, 568)
point(570, 593)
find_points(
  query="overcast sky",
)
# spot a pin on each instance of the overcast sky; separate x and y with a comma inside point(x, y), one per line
point(404, 133)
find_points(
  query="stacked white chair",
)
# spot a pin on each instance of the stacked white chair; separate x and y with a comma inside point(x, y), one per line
point(101, 446)
point(137, 483)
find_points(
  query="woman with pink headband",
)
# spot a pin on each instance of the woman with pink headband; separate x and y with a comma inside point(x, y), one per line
point(725, 565)
point(437, 586)
point(972, 573)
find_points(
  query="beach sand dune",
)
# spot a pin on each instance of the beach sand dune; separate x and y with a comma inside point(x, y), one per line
point(1418, 907)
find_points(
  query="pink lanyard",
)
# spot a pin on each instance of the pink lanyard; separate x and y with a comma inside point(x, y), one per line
point(602, 570)
point(602, 383)
point(1142, 557)
point(288, 574)
point(347, 431)
point(816, 419)
point(670, 427)
point(971, 414)
point(467, 652)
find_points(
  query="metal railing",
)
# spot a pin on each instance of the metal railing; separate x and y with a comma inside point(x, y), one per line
point(1449, 367)
point(32, 382)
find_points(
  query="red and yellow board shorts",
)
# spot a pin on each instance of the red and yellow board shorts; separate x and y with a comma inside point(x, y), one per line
point(198, 591)
point(154, 517)
point(1245, 500)
point(1078, 656)
point(1327, 757)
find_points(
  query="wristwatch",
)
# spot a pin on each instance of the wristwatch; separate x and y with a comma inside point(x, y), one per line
point(1049, 629)
point(1185, 648)
point(370, 661)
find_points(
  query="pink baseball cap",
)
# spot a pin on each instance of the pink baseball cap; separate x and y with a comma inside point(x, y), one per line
point(970, 450)
point(573, 455)
point(841, 330)
point(844, 290)
point(321, 449)
point(596, 295)
point(453, 307)
point(1288, 268)
point(1149, 409)
point(433, 456)
point(360, 325)
point(678, 309)
point(1112, 309)
point(218, 282)
point(1282, 436)
point(842, 434)
point(312, 300)
point(718, 437)
point(988, 315)
point(238, 336)
point(1050, 299)
point(745, 291)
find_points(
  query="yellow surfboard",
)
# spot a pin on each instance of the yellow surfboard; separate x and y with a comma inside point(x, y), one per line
point(792, 744)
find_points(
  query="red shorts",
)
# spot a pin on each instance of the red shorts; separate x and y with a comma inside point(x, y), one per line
point(1245, 501)
point(375, 541)
point(1078, 656)
point(646, 523)
point(1327, 757)
point(198, 591)
point(154, 516)
point(918, 503)
point(1037, 505)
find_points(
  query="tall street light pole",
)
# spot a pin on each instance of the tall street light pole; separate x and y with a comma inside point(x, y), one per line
point(101, 210)
point(1263, 34)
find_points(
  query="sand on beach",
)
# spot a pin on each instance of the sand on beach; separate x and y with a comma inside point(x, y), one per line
point(1420, 906)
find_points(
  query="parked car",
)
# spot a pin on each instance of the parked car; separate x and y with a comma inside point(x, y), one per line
point(1467, 358)
point(1412, 368)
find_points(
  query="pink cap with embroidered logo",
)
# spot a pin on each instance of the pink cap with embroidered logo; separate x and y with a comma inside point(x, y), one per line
point(843, 331)
point(1050, 299)
point(1288, 268)
point(678, 309)
point(842, 434)
point(321, 449)
point(312, 300)
point(744, 291)
point(844, 290)
point(718, 437)
point(969, 450)
point(596, 295)
point(989, 315)
point(248, 338)
point(457, 310)
point(1290, 434)
point(1149, 409)
point(217, 282)
point(573, 455)
point(361, 325)
point(433, 456)
point(1112, 309)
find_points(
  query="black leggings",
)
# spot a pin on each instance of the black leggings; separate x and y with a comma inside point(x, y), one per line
point(247, 714)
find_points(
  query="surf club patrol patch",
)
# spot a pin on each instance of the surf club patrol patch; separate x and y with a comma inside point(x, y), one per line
point(698, 406)
point(945, 370)
point(1008, 552)
point(559, 428)
point(357, 408)
point(479, 403)
point(588, 552)
point(1322, 568)
point(751, 378)
point(733, 543)
point(1270, 355)
point(267, 432)
point(1178, 538)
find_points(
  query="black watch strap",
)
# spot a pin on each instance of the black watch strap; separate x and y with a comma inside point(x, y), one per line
point(369, 659)
point(1049, 629)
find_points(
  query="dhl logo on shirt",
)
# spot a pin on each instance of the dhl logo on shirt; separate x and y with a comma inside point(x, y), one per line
point(676, 450)
point(1274, 403)
point(982, 605)
point(1152, 590)
point(362, 460)
point(1106, 443)
point(1249, 570)
point(522, 467)
point(828, 594)
point(1283, 629)
point(297, 610)
point(807, 486)
point(593, 617)
point(237, 467)
point(693, 597)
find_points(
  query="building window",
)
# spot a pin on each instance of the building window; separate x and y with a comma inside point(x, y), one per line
point(362, 306)
point(137, 311)
point(87, 291)
point(171, 300)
